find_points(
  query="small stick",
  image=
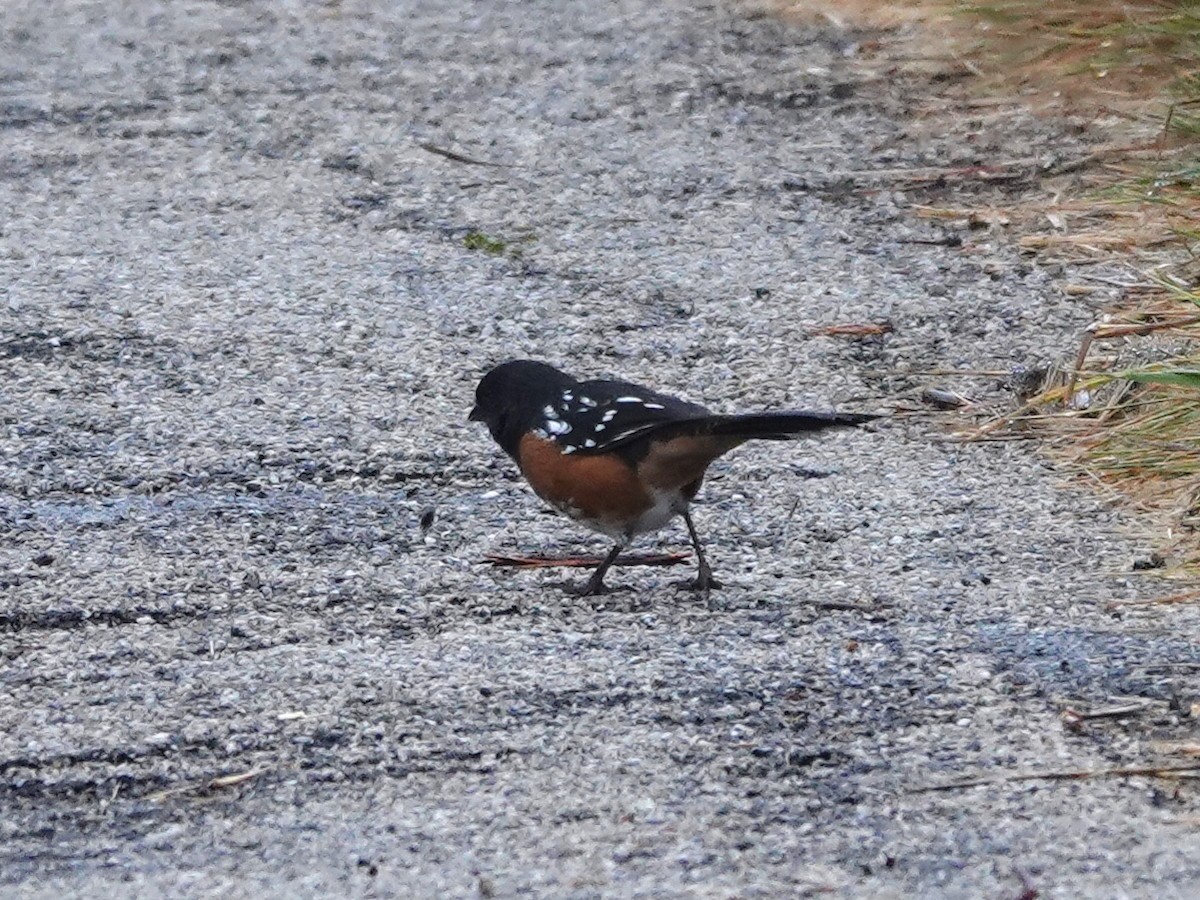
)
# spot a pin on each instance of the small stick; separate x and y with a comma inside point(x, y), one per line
point(852, 330)
point(1170, 667)
point(221, 781)
point(1143, 328)
point(1112, 712)
point(583, 562)
point(932, 173)
point(1165, 771)
point(460, 158)
point(840, 605)
point(1015, 168)
point(1170, 599)
point(1080, 359)
point(1112, 282)
point(952, 240)
point(787, 523)
point(980, 373)
point(1179, 749)
point(224, 781)
point(987, 438)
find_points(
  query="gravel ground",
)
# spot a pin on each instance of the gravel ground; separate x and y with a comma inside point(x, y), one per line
point(243, 313)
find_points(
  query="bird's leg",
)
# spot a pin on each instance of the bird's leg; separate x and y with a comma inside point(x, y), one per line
point(595, 584)
point(704, 577)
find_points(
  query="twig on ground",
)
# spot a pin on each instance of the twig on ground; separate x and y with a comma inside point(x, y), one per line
point(973, 373)
point(944, 399)
point(1157, 771)
point(1002, 171)
point(584, 562)
point(1181, 749)
point(840, 605)
point(1181, 597)
point(866, 329)
point(1075, 717)
point(1080, 358)
point(460, 158)
point(996, 172)
point(1112, 282)
point(950, 240)
point(213, 784)
point(224, 781)
point(787, 523)
point(1126, 329)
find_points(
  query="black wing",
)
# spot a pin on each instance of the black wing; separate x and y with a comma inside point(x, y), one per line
point(593, 416)
point(598, 416)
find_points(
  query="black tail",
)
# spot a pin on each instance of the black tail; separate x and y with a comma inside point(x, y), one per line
point(781, 425)
point(771, 426)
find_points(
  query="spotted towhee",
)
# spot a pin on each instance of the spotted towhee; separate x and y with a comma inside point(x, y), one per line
point(617, 457)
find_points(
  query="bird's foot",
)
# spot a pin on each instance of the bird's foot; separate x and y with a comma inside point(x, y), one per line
point(703, 582)
point(593, 587)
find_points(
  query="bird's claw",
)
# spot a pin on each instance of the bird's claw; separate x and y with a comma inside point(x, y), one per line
point(589, 588)
point(703, 583)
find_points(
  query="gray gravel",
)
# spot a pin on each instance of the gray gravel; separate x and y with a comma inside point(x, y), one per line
point(243, 313)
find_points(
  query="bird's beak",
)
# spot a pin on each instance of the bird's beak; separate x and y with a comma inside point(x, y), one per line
point(476, 415)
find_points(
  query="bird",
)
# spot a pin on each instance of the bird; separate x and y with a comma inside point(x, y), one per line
point(617, 457)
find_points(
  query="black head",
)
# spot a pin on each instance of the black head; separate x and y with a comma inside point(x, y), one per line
point(509, 398)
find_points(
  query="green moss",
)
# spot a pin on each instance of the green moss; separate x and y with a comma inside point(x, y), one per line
point(477, 240)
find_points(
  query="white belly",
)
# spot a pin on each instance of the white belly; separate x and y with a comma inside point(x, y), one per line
point(667, 505)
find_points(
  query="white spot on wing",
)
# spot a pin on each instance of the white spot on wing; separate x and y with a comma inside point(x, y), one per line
point(549, 412)
point(599, 427)
point(589, 443)
point(630, 400)
point(653, 406)
point(587, 401)
point(568, 396)
point(557, 426)
point(610, 415)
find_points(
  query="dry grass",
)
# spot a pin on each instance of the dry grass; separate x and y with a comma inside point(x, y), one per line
point(1135, 429)
point(1125, 412)
point(1130, 48)
point(1129, 424)
point(855, 13)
